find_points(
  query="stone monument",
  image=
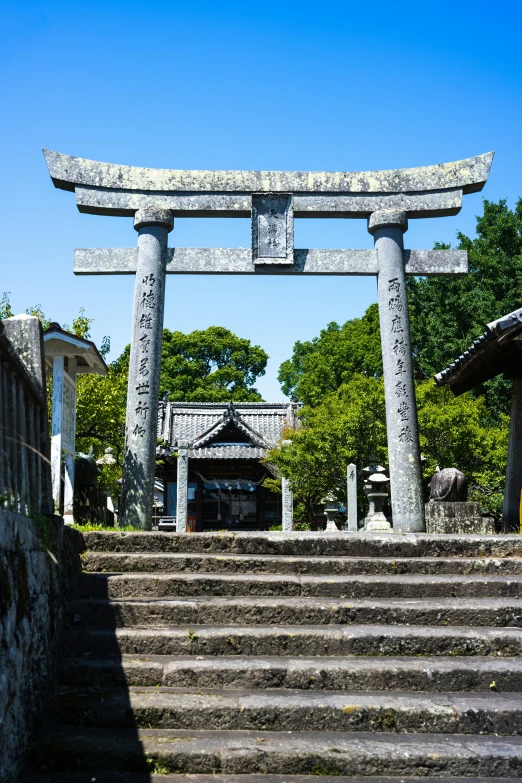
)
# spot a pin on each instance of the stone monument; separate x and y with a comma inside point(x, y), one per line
point(271, 200)
point(448, 509)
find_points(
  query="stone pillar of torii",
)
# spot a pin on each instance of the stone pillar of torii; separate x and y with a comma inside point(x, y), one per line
point(271, 199)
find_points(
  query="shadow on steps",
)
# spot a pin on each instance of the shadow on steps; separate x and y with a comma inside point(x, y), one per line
point(49, 761)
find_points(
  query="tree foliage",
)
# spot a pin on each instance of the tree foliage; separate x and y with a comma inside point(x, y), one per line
point(211, 365)
point(448, 313)
point(457, 431)
point(337, 376)
point(6, 311)
point(325, 363)
point(347, 426)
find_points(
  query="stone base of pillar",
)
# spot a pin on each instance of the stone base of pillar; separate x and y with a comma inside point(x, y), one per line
point(331, 527)
point(377, 524)
point(457, 517)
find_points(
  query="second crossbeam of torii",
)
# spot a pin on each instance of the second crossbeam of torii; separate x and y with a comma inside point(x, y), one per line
point(272, 199)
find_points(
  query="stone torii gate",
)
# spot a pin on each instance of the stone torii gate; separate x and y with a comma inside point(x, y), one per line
point(272, 199)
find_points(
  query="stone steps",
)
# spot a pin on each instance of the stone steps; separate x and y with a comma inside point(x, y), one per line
point(263, 658)
point(150, 585)
point(430, 674)
point(324, 640)
point(271, 752)
point(292, 710)
point(298, 611)
point(312, 543)
point(145, 777)
point(159, 562)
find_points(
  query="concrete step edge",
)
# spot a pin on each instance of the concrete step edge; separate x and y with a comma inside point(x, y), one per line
point(417, 579)
point(79, 777)
point(312, 753)
point(283, 710)
point(297, 610)
point(308, 640)
point(430, 674)
point(428, 603)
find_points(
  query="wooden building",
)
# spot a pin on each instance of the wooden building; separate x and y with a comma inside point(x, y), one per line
point(225, 444)
point(498, 351)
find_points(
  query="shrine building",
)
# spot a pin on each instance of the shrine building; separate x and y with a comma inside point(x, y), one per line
point(225, 445)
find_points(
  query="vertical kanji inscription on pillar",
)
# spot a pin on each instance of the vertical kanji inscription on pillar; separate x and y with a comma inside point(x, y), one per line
point(387, 228)
point(153, 226)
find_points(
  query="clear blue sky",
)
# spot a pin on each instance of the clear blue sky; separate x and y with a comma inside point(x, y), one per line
point(242, 85)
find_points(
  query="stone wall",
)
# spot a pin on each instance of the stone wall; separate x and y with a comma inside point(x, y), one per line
point(38, 560)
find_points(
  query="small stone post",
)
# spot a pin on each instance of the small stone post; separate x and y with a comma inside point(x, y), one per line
point(182, 488)
point(388, 227)
point(153, 226)
point(288, 506)
point(287, 501)
point(351, 497)
point(68, 487)
point(511, 511)
point(56, 437)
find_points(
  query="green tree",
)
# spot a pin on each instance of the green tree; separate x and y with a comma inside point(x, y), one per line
point(448, 313)
point(324, 364)
point(347, 426)
point(37, 311)
point(211, 365)
point(6, 310)
point(100, 414)
point(457, 431)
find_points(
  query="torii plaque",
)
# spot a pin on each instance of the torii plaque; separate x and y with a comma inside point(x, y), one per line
point(272, 199)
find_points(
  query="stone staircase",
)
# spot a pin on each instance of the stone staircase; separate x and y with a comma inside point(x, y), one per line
point(270, 658)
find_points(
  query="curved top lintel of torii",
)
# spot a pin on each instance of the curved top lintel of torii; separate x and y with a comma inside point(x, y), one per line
point(68, 172)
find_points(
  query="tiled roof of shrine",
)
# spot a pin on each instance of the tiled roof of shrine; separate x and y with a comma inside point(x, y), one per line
point(497, 350)
point(204, 426)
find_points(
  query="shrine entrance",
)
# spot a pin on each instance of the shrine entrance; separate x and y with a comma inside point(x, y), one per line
point(271, 200)
point(236, 502)
point(225, 469)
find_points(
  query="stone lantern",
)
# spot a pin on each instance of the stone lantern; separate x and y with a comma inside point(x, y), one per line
point(372, 467)
point(377, 494)
point(108, 459)
point(332, 507)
